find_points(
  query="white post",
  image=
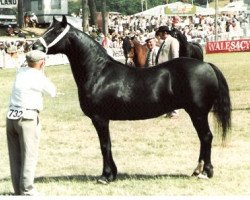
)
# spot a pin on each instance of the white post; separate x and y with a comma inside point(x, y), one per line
point(215, 20)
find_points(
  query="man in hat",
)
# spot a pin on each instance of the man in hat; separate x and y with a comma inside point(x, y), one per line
point(23, 127)
point(152, 50)
point(169, 48)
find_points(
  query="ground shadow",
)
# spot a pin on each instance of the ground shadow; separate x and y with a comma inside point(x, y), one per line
point(120, 177)
point(88, 178)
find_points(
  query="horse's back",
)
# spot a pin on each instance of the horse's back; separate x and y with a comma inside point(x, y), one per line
point(125, 93)
point(190, 70)
point(193, 82)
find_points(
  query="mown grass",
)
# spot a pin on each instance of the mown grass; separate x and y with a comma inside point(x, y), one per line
point(154, 157)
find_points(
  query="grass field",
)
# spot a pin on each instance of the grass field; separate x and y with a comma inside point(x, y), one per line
point(154, 157)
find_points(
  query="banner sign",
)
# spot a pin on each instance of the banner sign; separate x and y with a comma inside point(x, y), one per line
point(178, 10)
point(228, 46)
point(8, 2)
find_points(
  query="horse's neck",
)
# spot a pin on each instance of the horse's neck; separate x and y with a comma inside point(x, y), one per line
point(85, 56)
point(183, 44)
point(140, 54)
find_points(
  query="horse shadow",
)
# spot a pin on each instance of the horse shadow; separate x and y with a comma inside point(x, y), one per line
point(120, 177)
point(91, 178)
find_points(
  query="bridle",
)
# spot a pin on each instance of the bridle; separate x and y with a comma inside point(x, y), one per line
point(56, 40)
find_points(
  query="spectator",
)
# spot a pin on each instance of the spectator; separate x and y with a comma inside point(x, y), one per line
point(26, 20)
point(169, 49)
point(10, 31)
point(107, 43)
point(12, 58)
point(153, 50)
point(33, 20)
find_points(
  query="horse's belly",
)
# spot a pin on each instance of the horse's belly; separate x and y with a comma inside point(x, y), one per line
point(135, 111)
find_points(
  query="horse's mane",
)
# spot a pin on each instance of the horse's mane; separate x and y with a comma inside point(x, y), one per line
point(126, 44)
point(96, 46)
point(179, 36)
point(184, 45)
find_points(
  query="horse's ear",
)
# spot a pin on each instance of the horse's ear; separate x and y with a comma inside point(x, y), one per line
point(54, 19)
point(64, 21)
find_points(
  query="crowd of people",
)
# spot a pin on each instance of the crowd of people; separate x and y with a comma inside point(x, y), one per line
point(197, 28)
point(12, 53)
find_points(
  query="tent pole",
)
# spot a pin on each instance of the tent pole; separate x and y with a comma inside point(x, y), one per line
point(215, 20)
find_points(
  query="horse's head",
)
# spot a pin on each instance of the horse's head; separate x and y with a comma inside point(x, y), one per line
point(128, 49)
point(49, 41)
point(176, 33)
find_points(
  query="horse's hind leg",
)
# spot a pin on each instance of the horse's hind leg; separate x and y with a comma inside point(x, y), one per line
point(204, 168)
point(109, 168)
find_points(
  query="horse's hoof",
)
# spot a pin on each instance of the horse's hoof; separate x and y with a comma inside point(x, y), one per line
point(195, 174)
point(103, 181)
point(208, 170)
point(202, 176)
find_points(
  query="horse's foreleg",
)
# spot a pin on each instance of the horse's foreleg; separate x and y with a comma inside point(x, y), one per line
point(204, 168)
point(109, 168)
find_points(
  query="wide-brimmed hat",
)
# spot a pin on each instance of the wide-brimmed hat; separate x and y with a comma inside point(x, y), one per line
point(35, 55)
point(164, 29)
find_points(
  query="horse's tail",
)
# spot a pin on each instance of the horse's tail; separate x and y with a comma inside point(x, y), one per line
point(222, 105)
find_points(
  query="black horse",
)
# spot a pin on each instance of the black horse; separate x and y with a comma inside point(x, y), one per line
point(187, 49)
point(109, 90)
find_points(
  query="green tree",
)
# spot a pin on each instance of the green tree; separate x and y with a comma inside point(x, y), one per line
point(20, 14)
point(85, 15)
point(92, 12)
point(104, 17)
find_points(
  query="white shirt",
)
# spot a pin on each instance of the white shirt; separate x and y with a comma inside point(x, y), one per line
point(152, 56)
point(33, 18)
point(28, 89)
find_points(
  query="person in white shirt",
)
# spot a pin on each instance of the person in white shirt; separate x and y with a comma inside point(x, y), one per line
point(153, 51)
point(23, 128)
point(170, 46)
point(13, 59)
point(169, 50)
point(33, 20)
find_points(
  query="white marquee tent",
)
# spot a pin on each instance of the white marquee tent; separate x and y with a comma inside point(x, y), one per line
point(177, 8)
point(235, 6)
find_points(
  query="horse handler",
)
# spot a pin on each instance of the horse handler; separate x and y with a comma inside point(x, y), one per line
point(23, 126)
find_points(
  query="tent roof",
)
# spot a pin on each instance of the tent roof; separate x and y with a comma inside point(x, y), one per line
point(234, 7)
point(177, 8)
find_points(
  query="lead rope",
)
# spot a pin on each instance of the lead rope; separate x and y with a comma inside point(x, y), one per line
point(56, 40)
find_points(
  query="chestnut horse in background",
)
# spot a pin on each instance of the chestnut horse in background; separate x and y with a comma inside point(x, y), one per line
point(135, 53)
